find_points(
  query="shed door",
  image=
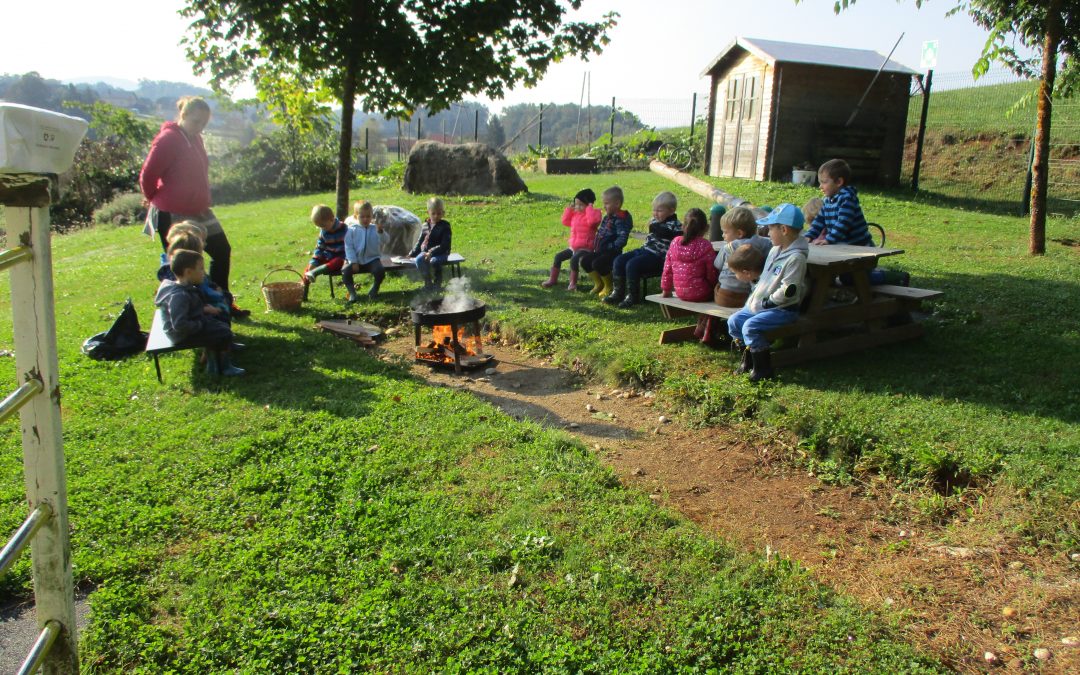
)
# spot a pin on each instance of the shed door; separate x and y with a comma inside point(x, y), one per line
point(741, 128)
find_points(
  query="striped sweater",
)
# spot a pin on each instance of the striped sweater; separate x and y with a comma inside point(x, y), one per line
point(841, 220)
point(331, 242)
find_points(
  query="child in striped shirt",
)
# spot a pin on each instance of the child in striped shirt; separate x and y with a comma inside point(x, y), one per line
point(841, 219)
point(329, 254)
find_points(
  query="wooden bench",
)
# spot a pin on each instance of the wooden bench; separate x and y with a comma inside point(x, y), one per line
point(673, 308)
point(160, 343)
point(453, 263)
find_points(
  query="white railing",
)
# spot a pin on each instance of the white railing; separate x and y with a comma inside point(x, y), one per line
point(37, 400)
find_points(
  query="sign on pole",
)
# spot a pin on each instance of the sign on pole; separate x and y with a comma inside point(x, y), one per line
point(929, 55)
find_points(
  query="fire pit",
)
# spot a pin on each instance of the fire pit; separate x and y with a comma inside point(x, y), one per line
point(455, 333)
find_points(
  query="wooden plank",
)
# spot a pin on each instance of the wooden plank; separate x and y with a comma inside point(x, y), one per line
point(709, 308)
point(673, 335)
point(907, 292)
point(844, 345)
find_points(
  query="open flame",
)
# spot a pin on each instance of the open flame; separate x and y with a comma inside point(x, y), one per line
point(440, 349)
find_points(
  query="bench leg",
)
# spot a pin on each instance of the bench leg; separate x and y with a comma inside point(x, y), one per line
point(157, 367)
point(330, 279)
point(678, 335)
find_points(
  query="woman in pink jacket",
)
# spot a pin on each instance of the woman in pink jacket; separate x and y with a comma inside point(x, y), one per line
point(582, 218)
point(175, 179)
point(688, 267)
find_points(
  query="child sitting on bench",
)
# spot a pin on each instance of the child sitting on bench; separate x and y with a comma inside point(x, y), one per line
point(582, 218)
point(648, 260)
point(688, 268)
point(363, 243)
point(774, 302)
point(188, 320)
point(739, 228)
point(433, 247)
point(329, 254)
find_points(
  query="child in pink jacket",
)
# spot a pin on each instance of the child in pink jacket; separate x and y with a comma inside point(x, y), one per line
point(688, 267)
point(582, 218)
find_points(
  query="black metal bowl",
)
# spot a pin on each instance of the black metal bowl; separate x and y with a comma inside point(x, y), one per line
point(428, 314)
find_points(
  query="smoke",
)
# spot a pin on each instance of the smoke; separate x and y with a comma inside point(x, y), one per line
point(455, 298)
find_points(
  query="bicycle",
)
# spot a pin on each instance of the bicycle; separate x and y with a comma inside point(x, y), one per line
point(677, 156)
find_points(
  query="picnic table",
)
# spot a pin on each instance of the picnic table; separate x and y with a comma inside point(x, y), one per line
point(879, 315)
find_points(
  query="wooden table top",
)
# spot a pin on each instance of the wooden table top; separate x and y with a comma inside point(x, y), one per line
point(838, 253)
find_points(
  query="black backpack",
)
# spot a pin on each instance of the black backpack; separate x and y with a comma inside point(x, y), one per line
point(123, 339)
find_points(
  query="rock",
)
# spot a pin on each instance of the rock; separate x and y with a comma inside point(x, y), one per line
point(655, 498)
point(1075, 557)
point(1070, 641)
point(1008, 612)
point(490, 371)
point(648, 394)
point(465, 169)
point(483, 379)
point(1016, 565)
point(597, 446)
point(516, 385)
point(514, 579)
point(590, 407)
point(663, 419)
point(599, 397)
point(574, 425)
point(1041, 654)
point(990, 657)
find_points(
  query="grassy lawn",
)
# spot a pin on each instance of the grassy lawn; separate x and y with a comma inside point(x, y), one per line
point(329, 512)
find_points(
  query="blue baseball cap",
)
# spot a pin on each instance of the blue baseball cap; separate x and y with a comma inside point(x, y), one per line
point(784, 214)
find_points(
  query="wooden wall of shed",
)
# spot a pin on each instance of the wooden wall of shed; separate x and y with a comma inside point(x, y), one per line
point(752, 141)
point(816, 102)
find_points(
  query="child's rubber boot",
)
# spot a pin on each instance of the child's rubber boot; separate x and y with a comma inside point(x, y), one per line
point(618, 290)
point(747, 363)
point(606, 288)
point(762, 368)
point(572, 286)
point(630, 299)
point(225, 366)
point(211, 361)
point(553, 279)
point(597, 282)
point(350, 287)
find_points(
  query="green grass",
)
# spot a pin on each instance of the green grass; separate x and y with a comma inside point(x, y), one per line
point(329, 512)
point(993, 108)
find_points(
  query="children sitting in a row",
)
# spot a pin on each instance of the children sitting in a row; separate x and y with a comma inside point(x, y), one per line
point(355, 247)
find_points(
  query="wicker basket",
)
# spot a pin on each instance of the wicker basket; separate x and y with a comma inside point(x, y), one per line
point(283, 295)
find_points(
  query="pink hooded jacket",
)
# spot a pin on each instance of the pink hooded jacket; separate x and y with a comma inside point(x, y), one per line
point(175, 175)
point(582, 226)
point(689, 271)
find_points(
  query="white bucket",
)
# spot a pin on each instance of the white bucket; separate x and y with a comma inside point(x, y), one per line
point(33, 140)
point(801, 177)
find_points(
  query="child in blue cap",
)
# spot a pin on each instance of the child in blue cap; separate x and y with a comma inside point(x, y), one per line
point(775, 299)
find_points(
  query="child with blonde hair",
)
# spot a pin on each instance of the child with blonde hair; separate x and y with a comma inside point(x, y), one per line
point(433, 247)
point(739, 227)
point(363, 251)
point(648, 260)
point(329, 254)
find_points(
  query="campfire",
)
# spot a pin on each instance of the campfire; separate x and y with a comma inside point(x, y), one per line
point(454, 320)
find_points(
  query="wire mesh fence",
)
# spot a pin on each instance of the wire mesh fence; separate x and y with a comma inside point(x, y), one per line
point(978, 140)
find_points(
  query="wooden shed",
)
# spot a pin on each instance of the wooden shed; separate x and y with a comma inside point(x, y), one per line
point(777, 105)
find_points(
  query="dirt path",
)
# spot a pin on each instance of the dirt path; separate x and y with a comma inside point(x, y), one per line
point(959, 592)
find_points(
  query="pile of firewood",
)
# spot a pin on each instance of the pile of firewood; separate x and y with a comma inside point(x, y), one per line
point(357, 331)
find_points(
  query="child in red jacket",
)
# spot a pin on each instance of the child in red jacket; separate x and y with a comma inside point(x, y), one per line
point(688, 267)
point(582, 218)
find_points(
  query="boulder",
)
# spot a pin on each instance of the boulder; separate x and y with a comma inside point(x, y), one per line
point(466, 169)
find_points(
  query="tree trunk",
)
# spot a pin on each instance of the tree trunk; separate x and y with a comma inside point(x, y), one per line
point(1041, 163)
point(344, 167)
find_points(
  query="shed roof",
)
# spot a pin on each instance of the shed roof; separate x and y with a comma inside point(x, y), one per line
point(773, 52)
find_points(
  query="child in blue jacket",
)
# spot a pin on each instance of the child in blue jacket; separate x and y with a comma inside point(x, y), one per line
point(611, 238)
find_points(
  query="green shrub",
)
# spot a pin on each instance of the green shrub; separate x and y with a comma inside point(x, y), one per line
point(124, 209)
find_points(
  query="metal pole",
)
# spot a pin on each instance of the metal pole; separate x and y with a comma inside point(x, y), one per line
point(34, 320)
point(476, 126)
point(612, 133)
point(693, 115)
point(367, 150)
point(418, 132)
point(540, 131)
point(922, 128)
point(399, 139)
point(873, 80)
point(1025, 208)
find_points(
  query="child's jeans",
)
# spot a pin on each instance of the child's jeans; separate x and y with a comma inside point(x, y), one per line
point(574, 256)
point(638, 263)
point(428, 267)
point(751, 328)
point(600, 263)
point(375, 268)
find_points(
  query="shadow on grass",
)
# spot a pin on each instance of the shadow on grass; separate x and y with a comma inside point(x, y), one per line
point(998, 341)
point(987, 205)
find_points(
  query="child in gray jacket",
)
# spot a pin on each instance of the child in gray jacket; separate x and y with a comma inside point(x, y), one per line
point(775, 299)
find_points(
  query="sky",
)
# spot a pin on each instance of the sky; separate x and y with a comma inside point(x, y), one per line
point(658, 50)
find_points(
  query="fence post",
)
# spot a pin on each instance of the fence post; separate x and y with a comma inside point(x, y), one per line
point(693, 115)
point(399, 139)
point(367, 151)
point(612, 132)
point(34, 319)
point(476, 126)
point(540, 132)
point(922, 128)
point(418, 132)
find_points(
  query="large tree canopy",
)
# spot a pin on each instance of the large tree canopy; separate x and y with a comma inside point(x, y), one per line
point(393, 55)
point(1051, 28)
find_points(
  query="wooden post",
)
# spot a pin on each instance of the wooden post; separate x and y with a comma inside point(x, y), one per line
point(367, 150)
point(540, 132)
point(693, 115)
point(922, 128)
point(612, 132)
point(476, 126)
point(34, 320)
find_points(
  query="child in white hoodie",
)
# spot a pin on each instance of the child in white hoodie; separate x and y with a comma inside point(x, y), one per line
point(775, 299)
